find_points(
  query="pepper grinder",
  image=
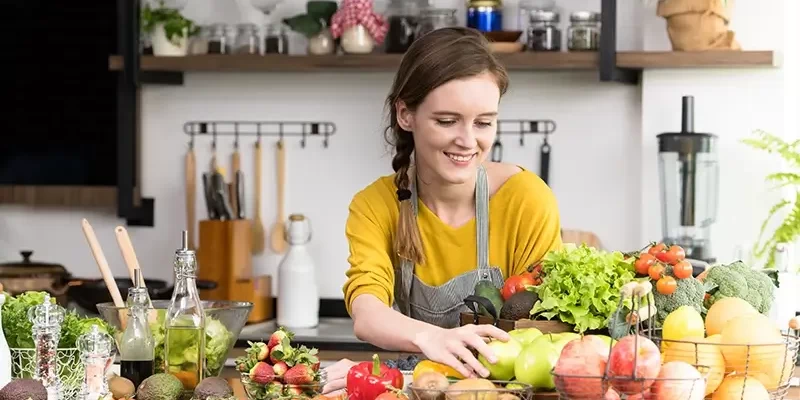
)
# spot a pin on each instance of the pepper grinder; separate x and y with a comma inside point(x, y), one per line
point(97, 354)
point(46, 319)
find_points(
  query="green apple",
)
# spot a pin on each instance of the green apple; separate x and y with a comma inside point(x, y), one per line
point(525, 335)
point(506, 353)
point(535, 362)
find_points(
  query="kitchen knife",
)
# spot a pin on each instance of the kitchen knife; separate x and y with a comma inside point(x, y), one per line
point(239, 194)
point(221, 197)
point(207, 195)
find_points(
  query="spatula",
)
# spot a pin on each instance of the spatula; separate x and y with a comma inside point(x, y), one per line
point(278, 240)
point(258, 226)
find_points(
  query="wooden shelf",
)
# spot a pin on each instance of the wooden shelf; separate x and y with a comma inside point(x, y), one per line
point(525, 61)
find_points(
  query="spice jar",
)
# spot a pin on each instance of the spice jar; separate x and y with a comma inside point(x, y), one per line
point(402, 16)
point(97, 354)
point(247, 40)
point(221, 39)
point(46, 319)
point(435, 18)
point(199, 43)
point(584, 31)
point(276, 41)
point(543, 32)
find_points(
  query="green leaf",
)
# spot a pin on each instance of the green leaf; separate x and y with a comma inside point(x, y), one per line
point(321, 10)
point(304, 24)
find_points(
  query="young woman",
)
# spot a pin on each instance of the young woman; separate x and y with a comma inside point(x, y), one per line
point(421, 239)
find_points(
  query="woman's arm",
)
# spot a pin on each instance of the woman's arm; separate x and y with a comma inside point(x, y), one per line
point(379, 324)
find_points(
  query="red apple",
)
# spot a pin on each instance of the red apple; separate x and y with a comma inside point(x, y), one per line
point(580, 370)
point(679, 380)
point(601, 345)
point(633, 365)
point(611, 395)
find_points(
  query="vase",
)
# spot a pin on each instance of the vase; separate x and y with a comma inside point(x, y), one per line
point(322, 43)
point(356, 40)
point(178, 46)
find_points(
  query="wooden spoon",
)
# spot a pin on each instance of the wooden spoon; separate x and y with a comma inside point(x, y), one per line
point(105, 271)
point(277, 233)
point(191, 189)
point(236, 165)
point(132, 262)
point(258, 226)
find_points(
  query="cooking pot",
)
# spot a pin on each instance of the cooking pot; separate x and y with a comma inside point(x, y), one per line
point(87, 293)
point(21, 276)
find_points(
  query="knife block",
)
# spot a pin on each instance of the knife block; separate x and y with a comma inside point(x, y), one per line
point(224, 256)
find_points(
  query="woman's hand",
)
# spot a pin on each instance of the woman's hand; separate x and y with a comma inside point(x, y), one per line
point(336, 377)
point(452, 347)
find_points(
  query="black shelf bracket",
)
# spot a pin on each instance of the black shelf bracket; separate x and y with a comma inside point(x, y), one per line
point(609, 72)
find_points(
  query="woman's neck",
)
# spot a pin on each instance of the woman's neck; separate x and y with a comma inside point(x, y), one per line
point(453, 204)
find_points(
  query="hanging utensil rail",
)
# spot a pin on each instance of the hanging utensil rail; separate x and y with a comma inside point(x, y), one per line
point(524, 127)
point(281, 129)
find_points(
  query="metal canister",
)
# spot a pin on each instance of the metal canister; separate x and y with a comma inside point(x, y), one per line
point(485, 15)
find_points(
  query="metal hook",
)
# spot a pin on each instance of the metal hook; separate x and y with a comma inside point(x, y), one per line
point(236, 135)
point(325, 140)
point(303, 140)
point(522, 134)
point(191, 140)
point(280, 131)
point(214, 137)
point(258, 135)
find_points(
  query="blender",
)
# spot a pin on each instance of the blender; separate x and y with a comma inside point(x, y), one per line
point(689, 175)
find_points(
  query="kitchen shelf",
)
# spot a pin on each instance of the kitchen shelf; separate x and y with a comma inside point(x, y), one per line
point(524, 61)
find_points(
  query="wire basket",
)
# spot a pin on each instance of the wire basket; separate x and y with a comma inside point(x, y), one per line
point(743, 368)
point(69, 368)
point(503, 390)
point(640, 378)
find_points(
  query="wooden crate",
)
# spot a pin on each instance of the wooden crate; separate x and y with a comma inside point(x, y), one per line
point(508, 325)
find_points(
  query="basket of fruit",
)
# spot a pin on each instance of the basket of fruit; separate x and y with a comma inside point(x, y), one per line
point(278, 370)
point(432, 385)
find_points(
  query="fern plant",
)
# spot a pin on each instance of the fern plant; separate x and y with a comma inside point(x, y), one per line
point(789, 228)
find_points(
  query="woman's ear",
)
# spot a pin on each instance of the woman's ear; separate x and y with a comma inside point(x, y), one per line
point(405, 118)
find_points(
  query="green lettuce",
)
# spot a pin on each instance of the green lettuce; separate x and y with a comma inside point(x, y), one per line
point(581, 286)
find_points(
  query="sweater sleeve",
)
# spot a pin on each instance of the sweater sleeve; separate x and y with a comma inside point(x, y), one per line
point(369, 238)
point(539, 231)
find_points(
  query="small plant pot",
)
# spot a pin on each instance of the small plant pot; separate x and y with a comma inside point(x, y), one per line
point(177, 47)
point(321, 43)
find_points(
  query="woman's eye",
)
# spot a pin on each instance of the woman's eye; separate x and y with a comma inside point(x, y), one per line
point(445, 122)
point(483, 124)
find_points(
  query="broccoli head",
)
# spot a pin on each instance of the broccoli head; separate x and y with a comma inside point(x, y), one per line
point(739, 280)
point(690, 292)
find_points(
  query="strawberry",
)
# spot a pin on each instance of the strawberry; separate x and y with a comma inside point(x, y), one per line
point(258, 351)
point(293, 391)
point(315, 367)
point(278, 336)
point(280, 369)
point(282, 351)
point(300, 374)
point(262, 373)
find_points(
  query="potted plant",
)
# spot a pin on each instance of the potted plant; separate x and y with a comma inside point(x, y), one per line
point(788, 231)
point(314, 25)
point(168, 29)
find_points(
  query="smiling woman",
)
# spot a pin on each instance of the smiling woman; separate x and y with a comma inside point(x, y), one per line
point(421, 239)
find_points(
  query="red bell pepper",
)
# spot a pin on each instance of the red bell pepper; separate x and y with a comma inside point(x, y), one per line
point(369, 379)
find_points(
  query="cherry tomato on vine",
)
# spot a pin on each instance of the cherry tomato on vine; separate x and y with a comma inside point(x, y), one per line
point(656, 271)
point(672, 255)
point(643, 263)
point(657, 248)
point(682, 269)
point(666, 285)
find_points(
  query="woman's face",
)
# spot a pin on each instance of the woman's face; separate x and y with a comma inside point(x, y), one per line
point(453, 128)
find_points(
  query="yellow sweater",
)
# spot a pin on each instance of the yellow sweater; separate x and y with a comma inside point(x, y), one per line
point(524, 225)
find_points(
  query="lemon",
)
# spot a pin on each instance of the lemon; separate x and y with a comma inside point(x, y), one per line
point(684, 322)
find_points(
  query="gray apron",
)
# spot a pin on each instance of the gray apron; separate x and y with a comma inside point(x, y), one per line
point(442, 305)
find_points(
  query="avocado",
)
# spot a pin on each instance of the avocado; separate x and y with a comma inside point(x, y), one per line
point(519, 305)
point(489, 291)
point(160, 387)
point(23, 389)
point(212, 388)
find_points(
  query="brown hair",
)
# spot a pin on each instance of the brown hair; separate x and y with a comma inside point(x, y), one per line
point(432, 60)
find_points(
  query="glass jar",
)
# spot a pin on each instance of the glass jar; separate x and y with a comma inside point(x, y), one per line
point(247, 39)
point(403, 16)
point(276, 41)
point(434, 18)
point(584, 31)
point(357, 40)
point(221, 39)
point(199, 43)
point(543, 32)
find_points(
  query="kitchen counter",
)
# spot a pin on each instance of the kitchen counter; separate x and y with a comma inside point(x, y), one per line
point(331, 334)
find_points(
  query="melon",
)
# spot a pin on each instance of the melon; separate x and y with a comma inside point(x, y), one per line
point(738, 387)
point(752, 343)
point(703, 354)
point(724, 310)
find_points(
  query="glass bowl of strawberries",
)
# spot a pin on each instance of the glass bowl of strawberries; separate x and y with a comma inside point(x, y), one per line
point(279, 370)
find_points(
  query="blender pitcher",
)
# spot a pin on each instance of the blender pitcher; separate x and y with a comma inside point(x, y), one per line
point(689, 175)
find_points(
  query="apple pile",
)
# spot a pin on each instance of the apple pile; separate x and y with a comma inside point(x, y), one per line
point(276, 369)
point(586, 368)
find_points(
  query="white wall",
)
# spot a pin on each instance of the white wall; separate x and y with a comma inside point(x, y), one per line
point(603, 165)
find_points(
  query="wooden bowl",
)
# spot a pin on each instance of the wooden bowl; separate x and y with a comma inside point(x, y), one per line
point(503, 36)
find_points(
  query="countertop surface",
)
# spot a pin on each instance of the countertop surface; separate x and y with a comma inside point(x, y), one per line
point(330, 334)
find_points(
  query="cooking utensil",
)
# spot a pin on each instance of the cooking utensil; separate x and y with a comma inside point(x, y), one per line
point(257, 225)
point(102, 264)
point(87, 293)
point(220, 196)
point(497, 150)
point(544, 160)
point(278, 239)
point(236, 166)
point(239, 195)
point(28, 275)
point(191, 188)
point(128, 254)
point(208, 196)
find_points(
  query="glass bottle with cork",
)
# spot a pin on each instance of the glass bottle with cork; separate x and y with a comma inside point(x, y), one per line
point(184, 344)
point(46, 319)
point(137, 346)
point(97, 354)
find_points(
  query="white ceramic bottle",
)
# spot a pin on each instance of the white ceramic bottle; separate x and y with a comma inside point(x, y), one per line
point(5, 353)
point(298, 295)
